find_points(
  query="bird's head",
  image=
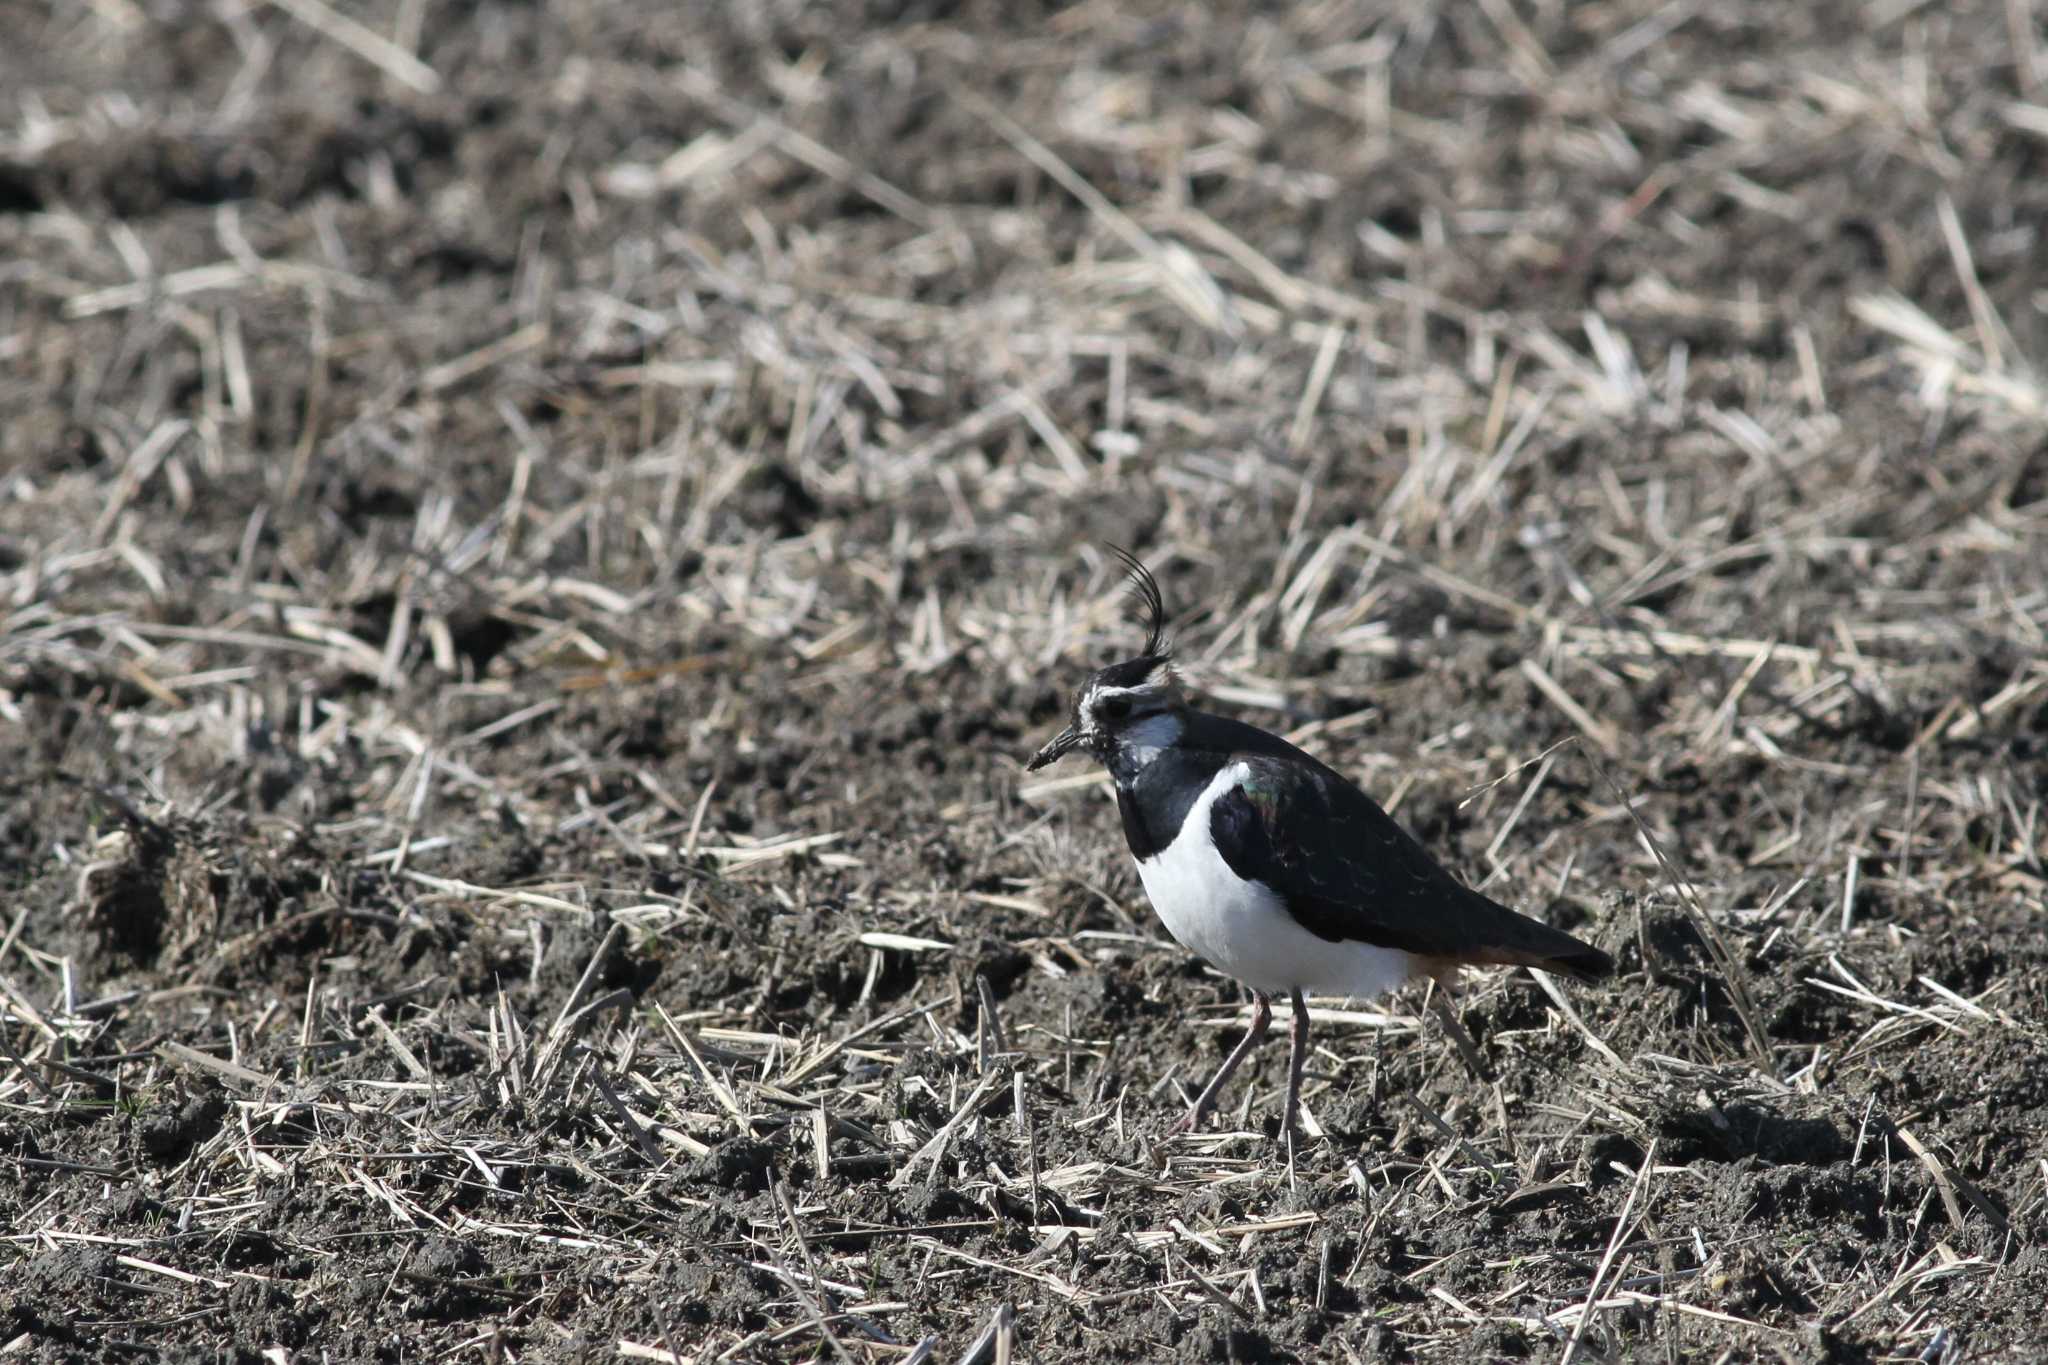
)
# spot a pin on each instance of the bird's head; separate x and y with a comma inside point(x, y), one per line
point(1132, 707)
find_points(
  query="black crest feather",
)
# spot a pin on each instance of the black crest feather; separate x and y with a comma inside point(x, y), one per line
point(1144, 587)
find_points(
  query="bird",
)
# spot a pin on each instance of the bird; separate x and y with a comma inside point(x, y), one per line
point(1274, 868)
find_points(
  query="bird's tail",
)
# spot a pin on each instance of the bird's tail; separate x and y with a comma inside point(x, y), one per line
point(1515, 940)
point(1581, 960)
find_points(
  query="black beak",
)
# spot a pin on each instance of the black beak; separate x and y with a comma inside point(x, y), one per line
point(1053, 752)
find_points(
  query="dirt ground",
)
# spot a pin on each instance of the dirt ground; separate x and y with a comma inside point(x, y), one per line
point(535, 540)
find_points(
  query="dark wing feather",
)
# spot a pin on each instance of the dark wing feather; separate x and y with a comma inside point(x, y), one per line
point(1347, 871)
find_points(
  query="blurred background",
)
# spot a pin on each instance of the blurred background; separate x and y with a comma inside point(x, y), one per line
point(513, 508)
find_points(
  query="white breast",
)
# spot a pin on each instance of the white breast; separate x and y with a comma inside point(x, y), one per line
point(1240, 927)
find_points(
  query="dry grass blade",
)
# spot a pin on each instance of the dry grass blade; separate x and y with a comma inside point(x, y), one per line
point(1454, 1029)
point(804, 1069)
point(1948, 1184)
point(220, 1067)
point(1571, 1015)
point(1946, 362)
point(1185, 280)
point(935, 1149)
point(1623, 1226)
point(532, 554)
point(720, 1091)
point(379, 51)
point(811, 1303)
point(1602, 734)
point(1732, 972)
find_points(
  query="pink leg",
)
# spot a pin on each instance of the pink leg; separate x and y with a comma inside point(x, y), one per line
point(1297, 1058)
point(1262, 1015)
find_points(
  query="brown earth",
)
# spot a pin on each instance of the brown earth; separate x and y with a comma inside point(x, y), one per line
point(534, 540)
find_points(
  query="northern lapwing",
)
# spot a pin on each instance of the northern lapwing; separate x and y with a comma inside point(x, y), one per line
point(1274, 868)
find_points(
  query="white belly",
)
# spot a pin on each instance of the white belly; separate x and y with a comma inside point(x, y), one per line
point(1241, 929)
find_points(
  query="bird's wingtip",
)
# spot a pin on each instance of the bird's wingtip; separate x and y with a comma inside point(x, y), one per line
point(1585, 962)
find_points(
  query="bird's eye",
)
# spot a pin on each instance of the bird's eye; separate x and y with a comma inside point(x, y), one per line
point(1113, 708)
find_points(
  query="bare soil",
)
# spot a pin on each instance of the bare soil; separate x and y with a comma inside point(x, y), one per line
point(534, 541)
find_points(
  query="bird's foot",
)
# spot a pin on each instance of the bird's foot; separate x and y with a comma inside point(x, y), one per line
point(1183, 1125)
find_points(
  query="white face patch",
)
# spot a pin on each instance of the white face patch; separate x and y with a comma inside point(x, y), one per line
point(1138, 696)
point(1141, 719)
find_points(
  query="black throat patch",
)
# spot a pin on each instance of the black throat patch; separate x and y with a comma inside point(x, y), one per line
point(1154, 802)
